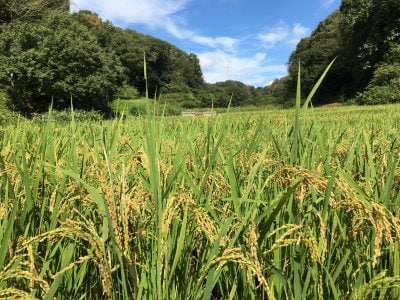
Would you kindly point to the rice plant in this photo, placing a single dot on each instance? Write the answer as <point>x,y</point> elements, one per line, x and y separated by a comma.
<point>236,206</point>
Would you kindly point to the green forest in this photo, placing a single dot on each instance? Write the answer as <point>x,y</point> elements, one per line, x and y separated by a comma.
<point>50,56</point>
<point>364,37</point>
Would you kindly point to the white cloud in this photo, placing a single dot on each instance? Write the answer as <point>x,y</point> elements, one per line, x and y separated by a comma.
<point>327,3</point>
<point>153,13</point>
<point>256,70</point>
<point>224,42</point>
<point>283,34</point>
<point>149,12</point>
<point>274,35</point>
<point>300,30</point>
<point>227,43</point>
<point>223,60</point>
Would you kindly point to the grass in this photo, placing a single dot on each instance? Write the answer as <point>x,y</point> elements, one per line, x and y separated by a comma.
<point>143,106</point>
<point>178,208</point>
<point>124,106</point>
<point>239,206</point>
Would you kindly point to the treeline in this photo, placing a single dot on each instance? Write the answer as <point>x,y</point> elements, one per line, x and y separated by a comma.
<point>48,55</point>
<point>364,36</point>
<point>12,10</point>
<point>58,56</point>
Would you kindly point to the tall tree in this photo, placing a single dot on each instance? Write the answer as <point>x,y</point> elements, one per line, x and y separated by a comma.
<point>55,60</point>
<point>168,68</point>
<point>12,10</point>
<point>384,86</point>
<point>369,28</point>
<point>315,53</point>
<point>360,34</point>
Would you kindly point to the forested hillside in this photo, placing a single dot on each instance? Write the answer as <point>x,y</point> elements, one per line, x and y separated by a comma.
<point>364,36</point>
<point>48,55</point>
<point>12,10</point>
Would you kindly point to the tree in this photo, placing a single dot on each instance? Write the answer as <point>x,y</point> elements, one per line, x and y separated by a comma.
<point>385,84</point>
<point>360,34</point>
<point>5,14</point>
<point>222,93</point>
<point>369,28</point>
<point>55,60</point>
<point>315,53</point>
<point>168,68</point>
<point>186,69</point>
<point>280,90</point>
<point>12,10</point>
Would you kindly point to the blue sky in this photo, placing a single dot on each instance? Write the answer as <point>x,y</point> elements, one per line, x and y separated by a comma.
<point>245,40</point>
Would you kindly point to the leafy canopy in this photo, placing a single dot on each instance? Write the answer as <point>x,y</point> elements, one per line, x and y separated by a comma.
<point>55,60</point>
<point>361,35</point>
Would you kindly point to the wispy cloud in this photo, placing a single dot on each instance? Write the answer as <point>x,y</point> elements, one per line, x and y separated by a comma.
<point>270,37</point>
<point>298,32</point>
<point>227,43</point>
<point>222,57</point>
<point>153,13</point>
<point>148,12</point>
<point>255,70</point>
<point>328,3</point>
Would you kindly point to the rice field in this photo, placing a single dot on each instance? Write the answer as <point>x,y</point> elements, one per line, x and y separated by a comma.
<point>255,205</point>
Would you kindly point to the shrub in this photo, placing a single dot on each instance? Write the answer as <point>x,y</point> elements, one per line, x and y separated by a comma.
<point>7,115</point>
<point>66,116</point>
<point>128,92</point>
<point>380,94</point>
<point>138,108</point>
<point>385,84</point>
